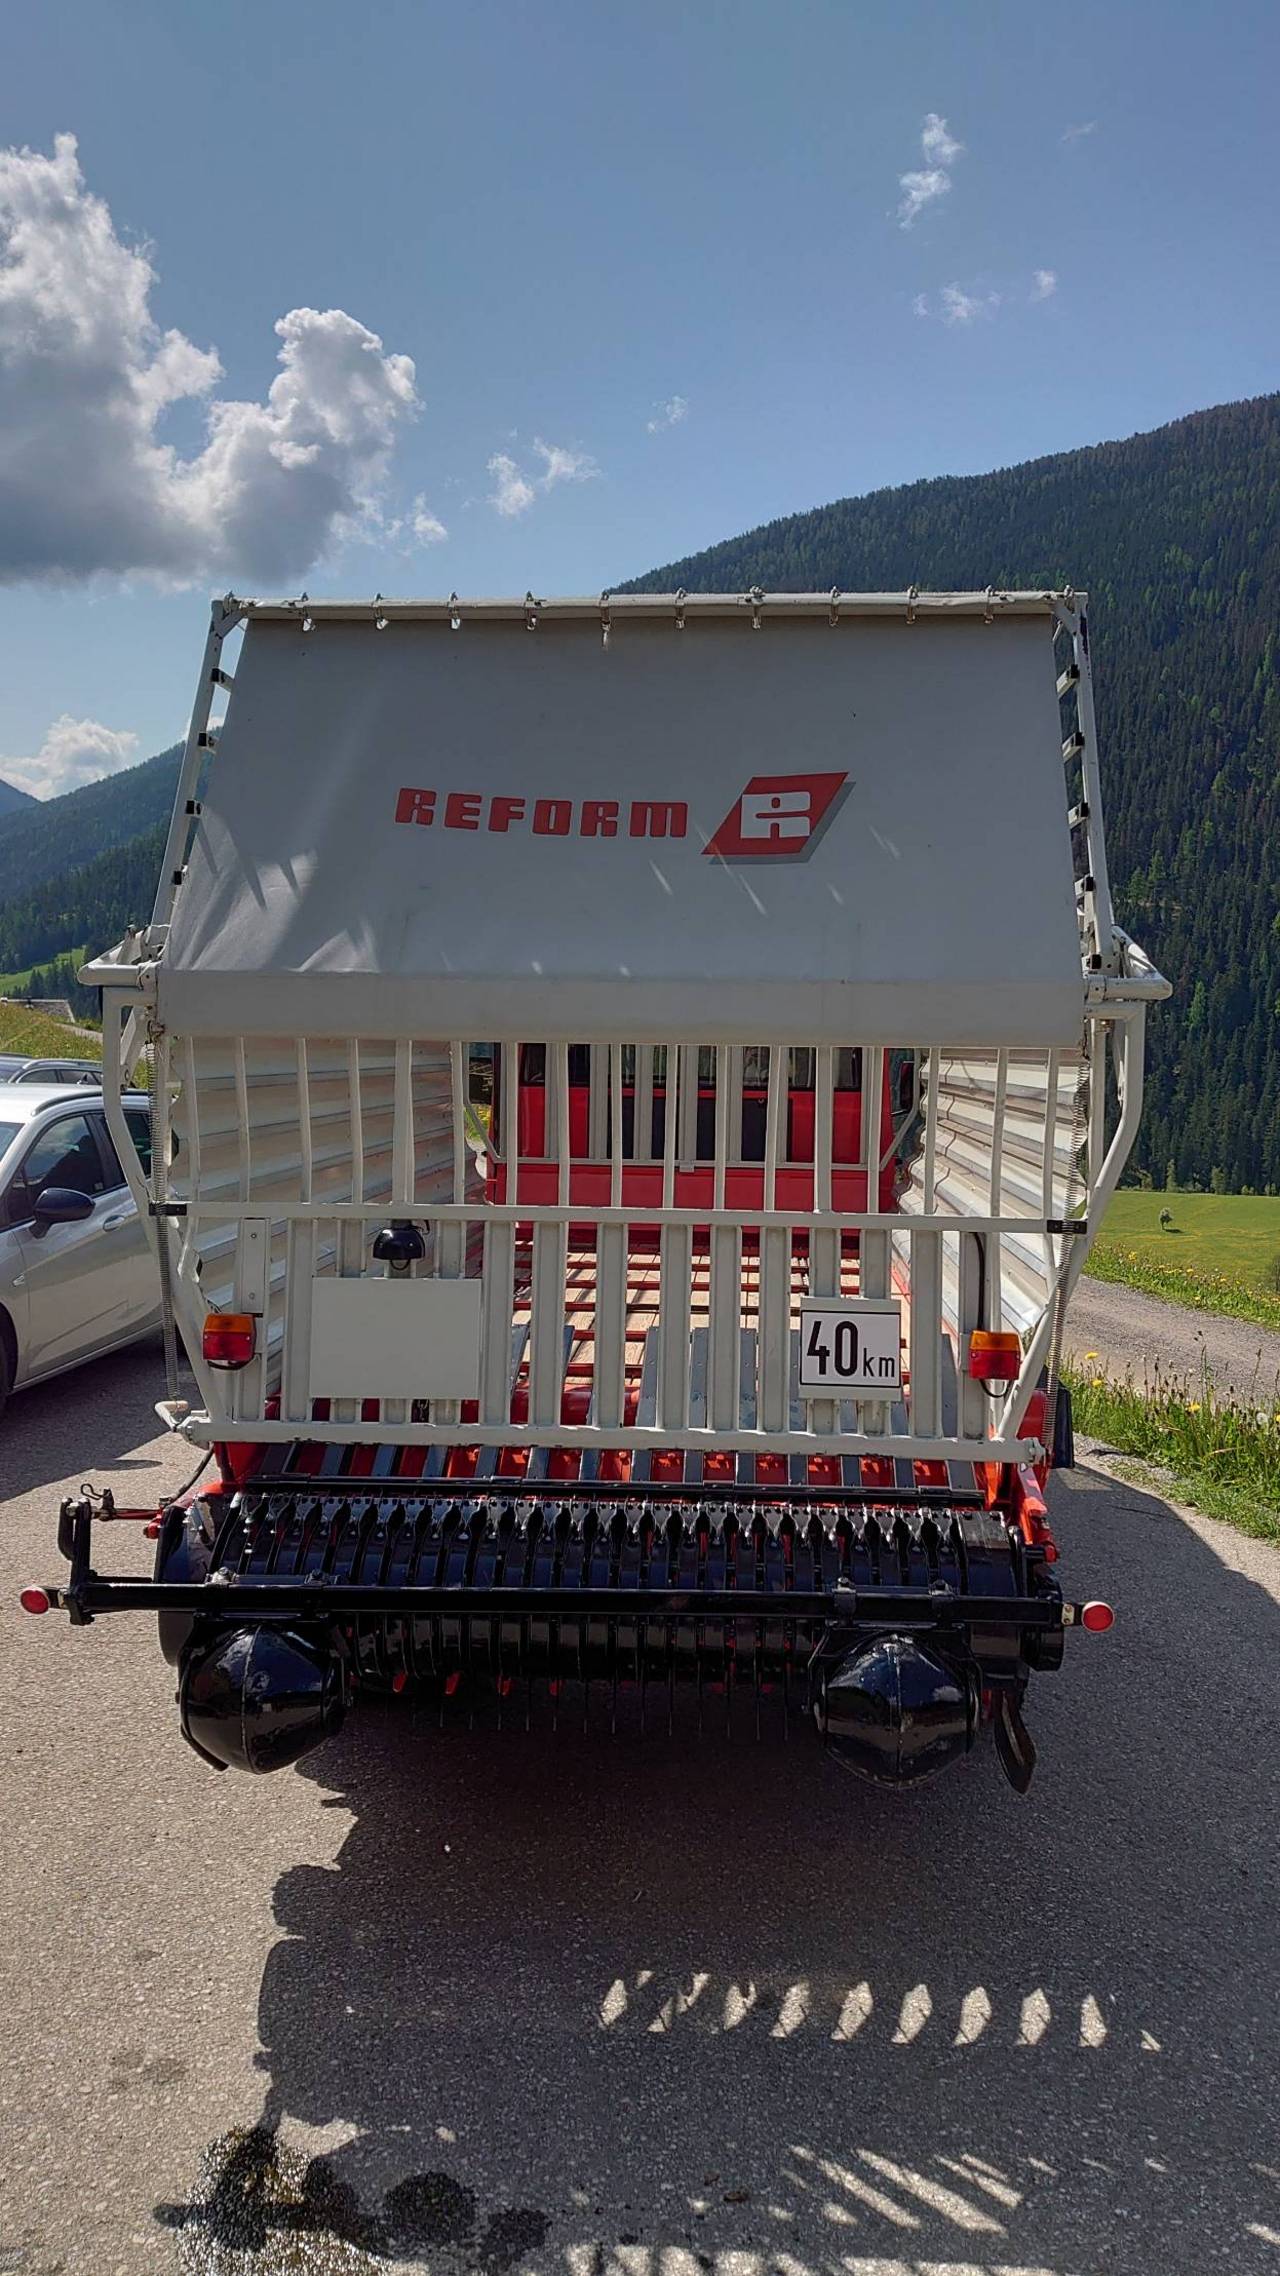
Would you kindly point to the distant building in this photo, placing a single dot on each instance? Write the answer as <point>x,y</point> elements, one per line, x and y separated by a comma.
<point>53,1007</point>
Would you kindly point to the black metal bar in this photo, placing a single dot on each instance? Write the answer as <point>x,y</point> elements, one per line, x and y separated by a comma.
<point>269,1599</point>
<point>568,1490</point>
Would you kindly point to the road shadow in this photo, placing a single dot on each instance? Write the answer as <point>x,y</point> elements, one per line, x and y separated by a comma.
<point>98,1415</point>
<point>656,2008</point>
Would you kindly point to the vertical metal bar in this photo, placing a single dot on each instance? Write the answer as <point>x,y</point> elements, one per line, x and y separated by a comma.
<point>773,1122</point>
<point>403,1150</point>
<point>597,1101</point>
<point>295,1381</point>
<point>610,1325</point>
<point>253,1294</point>
<point>929,1195</point>
<point>925,1333</point>
<point>688,1138</point>
<point>304,1118</point>
<point>671,1109</point>
<point>1047,1198</point>
<point>824,1242</point>
<point>873,1247</point>
<point>725,1327</point>
<point>193,1156</point>
<point>496,1306</point>
<point>356,1116</point>
<point>722,1123</point>
<point>973,1398</point>
<point>615,1126</point>
<point>546,1358</point>
<point>244,1140</point>
<point>558,1068</point>
<point>458,1088</point>
<point>823,1114</point>
<point>510,1055</point>
<point>995,1243</point>
<point>642,1113</point>
<point>773,1342</point>
<point>675,1278</point>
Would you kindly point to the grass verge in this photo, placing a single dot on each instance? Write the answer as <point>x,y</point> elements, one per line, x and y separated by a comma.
<point>1197,1287</point>
<point>1221,1456</point>
<point>37,1036</point>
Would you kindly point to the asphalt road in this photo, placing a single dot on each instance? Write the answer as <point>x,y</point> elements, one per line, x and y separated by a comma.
<point>633,2008</point>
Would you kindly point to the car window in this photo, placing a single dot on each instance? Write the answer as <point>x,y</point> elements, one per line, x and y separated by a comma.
<point>66,1153</point>
<point>139,1122</point>
<point>8,1132</point>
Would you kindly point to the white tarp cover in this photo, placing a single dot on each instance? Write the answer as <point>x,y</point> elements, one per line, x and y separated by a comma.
<point>420,831</point>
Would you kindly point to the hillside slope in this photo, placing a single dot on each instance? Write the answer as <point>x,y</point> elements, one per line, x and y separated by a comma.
<point>47,837</point>
<point>13,800</point>
<point>1176,537</point>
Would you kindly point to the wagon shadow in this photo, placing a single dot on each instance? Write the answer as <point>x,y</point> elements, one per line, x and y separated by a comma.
<point>586,2005</point>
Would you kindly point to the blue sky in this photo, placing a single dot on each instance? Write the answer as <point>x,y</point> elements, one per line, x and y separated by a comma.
<point>670,244</point>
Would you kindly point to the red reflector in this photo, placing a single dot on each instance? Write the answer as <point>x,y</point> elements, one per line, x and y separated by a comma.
<point>1098,1617</point>
<point>451,1683</point>
<point>398,1681</point>
<point>34,1600</point>
<point>229,1339</point>
<point>993,1357</point>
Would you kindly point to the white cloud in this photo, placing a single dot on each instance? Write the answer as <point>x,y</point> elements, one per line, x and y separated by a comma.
<point>511,494</point>
<point>672,413</point>
<point>925,184</point>
<point>563,465</point>
<point>919,190</point>
<point>920,305</point>
<point>939,147</point>
<point>960,307</point>
<point>73,751</point>
<point>1044,284</point>
<point>514,492</point>
<point>1078,133</point>
<point>426,526</point>
<point>86,482</point>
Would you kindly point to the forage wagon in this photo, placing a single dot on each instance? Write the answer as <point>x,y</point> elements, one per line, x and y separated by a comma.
<point>635,1082</point>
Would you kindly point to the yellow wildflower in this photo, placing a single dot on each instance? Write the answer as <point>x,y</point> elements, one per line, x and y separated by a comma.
<point>1098,1381</point>
<point>1193,1406</point>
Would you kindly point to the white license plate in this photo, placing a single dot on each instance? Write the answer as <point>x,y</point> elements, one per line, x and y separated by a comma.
<point>851,1345</point>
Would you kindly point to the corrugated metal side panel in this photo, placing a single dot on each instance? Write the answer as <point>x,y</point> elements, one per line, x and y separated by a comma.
<point>266,1119</point>
<point>1009,1131</point>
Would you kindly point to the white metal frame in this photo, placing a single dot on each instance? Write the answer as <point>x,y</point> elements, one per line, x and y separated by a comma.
<point>1118,982</point>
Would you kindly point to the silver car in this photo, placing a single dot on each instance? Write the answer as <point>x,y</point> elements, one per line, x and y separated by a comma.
<point>77,1273</point>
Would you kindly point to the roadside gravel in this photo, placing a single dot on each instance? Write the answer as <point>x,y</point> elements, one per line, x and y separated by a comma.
<point>1131,1332</point>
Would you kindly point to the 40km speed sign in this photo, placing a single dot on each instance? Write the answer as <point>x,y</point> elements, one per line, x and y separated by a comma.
<point>851,1345</point>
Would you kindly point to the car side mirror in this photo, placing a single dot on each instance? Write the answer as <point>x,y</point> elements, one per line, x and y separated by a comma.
<point>60,1205</point>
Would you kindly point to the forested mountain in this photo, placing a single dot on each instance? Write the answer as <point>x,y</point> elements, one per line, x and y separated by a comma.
<point>44,838</point>
<point>1176,537</point>
<point>12,800</point>
<point>87,906</point>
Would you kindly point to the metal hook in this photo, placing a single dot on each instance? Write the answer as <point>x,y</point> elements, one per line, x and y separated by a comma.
<point>455,621</point>
<point>834,617</point>
<point>604,618</point>
<point>680,601</point>
<point>755,596</point>
<point>379,621</point>
<point>913,595</point>
<point>988,614</point>
<point>531,607</point>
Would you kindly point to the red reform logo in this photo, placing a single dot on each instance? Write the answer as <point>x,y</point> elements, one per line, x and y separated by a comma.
<point>779,817</point>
